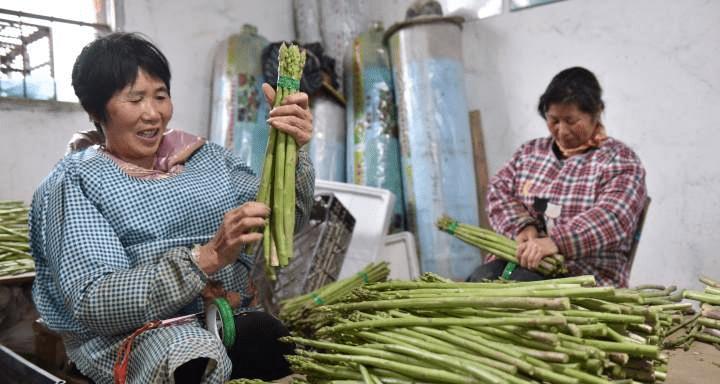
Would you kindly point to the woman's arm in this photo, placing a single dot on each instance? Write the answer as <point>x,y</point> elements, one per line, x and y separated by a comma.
<point>294,118</point>
<point>506,212</point>
<point>304,189</point>
<point>88,266</point>
<point>613,218</point>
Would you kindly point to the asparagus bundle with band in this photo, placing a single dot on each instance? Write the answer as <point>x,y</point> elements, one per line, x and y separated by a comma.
<point>497,244</point>
<point>296,312</point>
<point>15,257</point>
<point>277,183</point>
<point>432,330</point>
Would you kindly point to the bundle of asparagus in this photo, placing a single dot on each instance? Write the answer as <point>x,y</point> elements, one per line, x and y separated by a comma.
<point>14,248</point>
<point>297,313</point>
<point>497,244</point>
<point>557,331</point>
<point>277,184</point>
<point>705,325</point>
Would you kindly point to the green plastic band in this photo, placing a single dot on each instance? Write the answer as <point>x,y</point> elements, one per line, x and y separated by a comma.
<point>509,268</point>
<point>228,321</point>
<point>452,227</point>
<point>288,83</point>
<point>317,299</point>
<point>364,276</point>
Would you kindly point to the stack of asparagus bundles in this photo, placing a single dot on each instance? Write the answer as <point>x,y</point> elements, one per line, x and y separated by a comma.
<point>497,244</point>
<point>297,312</point>
<point>704,326</point>
<point>431,330</point>
<point>14,248</point>
<point>277,184</point>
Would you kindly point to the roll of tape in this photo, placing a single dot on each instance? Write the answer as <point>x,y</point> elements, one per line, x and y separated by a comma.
<point>220,321</point>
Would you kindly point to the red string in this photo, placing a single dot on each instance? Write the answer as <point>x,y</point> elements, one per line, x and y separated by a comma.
<point>123,357</point>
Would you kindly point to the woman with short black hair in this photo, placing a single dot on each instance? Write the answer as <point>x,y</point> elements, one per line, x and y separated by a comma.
<point>148,224</point>
<point>577,192</point>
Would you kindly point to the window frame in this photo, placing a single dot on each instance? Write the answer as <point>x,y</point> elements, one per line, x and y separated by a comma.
<point>108,14</point>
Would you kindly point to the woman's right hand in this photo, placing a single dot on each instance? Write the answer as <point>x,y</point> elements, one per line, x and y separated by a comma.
<point>527,233</point>
<point>235,231</point>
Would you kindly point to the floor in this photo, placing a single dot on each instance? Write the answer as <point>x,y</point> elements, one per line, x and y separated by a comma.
<point>698,365</point>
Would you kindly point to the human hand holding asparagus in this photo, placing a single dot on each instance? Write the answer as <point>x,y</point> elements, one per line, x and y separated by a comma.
<point>501,246</point>
<point>290,126</point>
<point>292,116</point>
<point>532,251</point>
<point>235,231</point>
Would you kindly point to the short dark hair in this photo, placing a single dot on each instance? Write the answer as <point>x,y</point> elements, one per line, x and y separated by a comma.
<point>109,64</point>
<point>575,85</point>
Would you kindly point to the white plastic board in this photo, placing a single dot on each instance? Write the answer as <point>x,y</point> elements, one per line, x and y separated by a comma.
<point>400,252</point>
<point>372,210</point>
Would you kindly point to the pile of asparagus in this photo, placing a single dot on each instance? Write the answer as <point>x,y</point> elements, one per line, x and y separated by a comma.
<point>557,331</point>
<point>297,312</point>
<point>705,325</point>
<point>497,244</point>
<point>277,183</point>
<point>15,255</point>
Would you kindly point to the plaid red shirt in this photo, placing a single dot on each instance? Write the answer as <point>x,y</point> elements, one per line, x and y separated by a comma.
<point>600,195</point>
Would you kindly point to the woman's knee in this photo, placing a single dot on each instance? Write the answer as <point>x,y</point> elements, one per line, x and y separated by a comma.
<point>258,353</point>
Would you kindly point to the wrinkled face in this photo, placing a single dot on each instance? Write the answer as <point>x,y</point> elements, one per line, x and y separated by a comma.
<point>569,126</point>
<point>137,117</point>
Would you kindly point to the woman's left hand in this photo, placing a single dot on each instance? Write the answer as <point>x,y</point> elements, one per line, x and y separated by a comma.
<point>532,251</point>
<point>292,117</point>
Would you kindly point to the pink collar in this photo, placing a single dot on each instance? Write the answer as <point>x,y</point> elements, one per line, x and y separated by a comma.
<point>175,148</point>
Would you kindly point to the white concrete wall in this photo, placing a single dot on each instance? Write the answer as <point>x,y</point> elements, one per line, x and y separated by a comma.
<point>33,135</point>
<point>188,31</point>
<point>658,63</point>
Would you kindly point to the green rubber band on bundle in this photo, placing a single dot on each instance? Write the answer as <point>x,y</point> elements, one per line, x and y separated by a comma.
<point>317,299</point>
<point>288,83</point>
<point>452,227</point>
<point>509,268</point>
<point>228,321</point>
<point>364,276</point>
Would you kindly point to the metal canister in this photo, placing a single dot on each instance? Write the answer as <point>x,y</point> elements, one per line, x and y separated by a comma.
<point>239,109</point>
<point>435,139</point>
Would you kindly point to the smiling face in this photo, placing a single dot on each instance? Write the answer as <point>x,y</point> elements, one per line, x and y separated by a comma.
<point>569,126</point>
<point>137,117</point>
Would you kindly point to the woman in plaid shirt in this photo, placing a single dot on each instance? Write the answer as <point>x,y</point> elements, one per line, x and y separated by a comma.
<point>578,192</point>
<point>148,223</point>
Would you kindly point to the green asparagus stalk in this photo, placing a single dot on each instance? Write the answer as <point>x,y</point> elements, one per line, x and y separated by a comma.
<point>15,257</point>
<point>277,182</point>
<point>496,244</point>
<point>423,373</point>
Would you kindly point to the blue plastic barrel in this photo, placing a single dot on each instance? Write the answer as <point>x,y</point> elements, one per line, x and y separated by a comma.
<point>435,139</point>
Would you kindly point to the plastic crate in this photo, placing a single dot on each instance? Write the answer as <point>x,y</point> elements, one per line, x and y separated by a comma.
<point>319,252</point>
<point>372,208</point>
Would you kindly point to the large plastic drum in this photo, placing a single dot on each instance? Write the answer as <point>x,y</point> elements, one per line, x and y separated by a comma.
<point>435,141</point>
<point>373,149</point>
<point>327,147</point>
<point>239,109</point>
